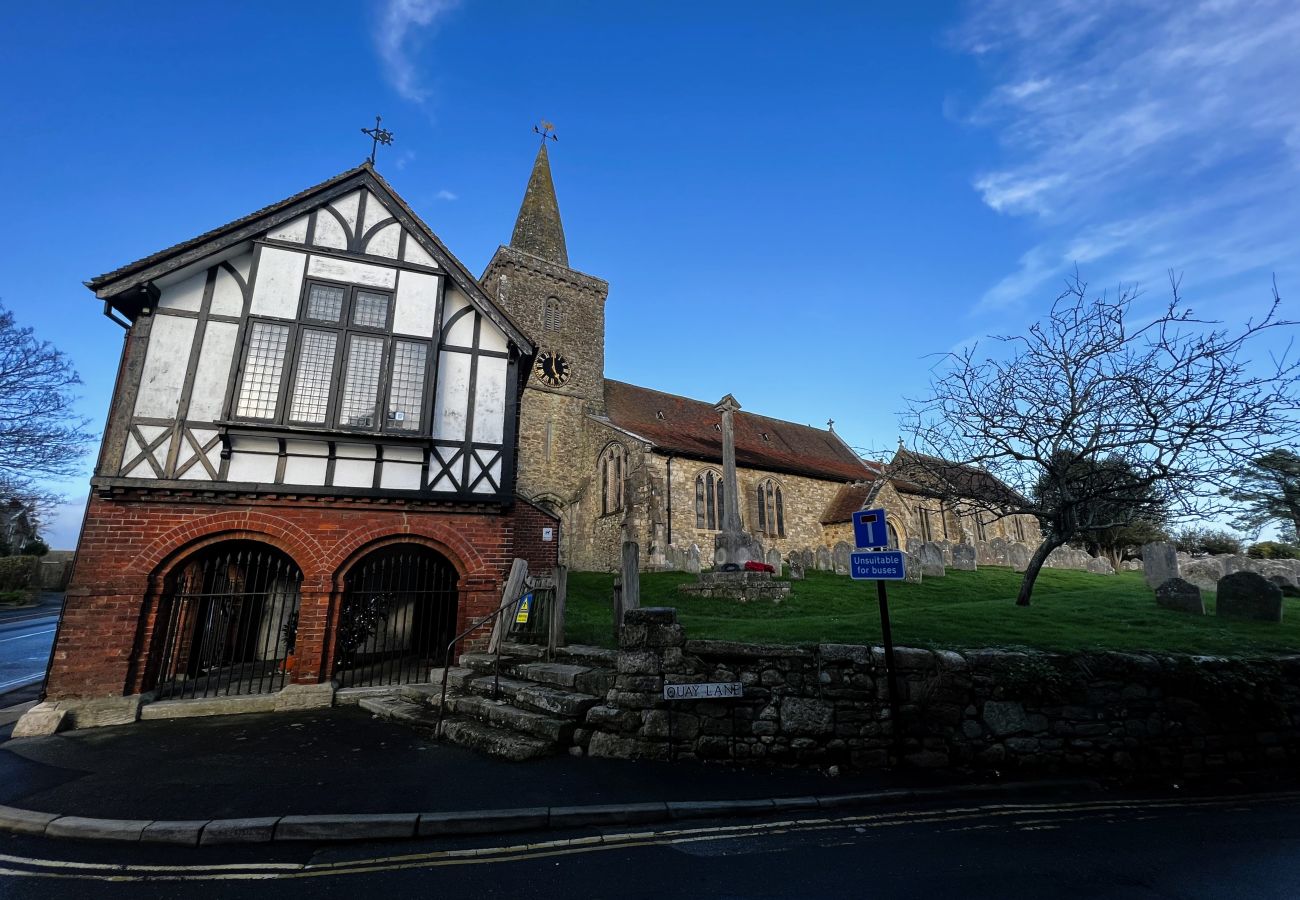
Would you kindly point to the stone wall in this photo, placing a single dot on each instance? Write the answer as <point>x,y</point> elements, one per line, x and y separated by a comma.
<point>827,704</point>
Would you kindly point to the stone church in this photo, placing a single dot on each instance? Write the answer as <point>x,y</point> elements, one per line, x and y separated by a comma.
<point>619,462</point>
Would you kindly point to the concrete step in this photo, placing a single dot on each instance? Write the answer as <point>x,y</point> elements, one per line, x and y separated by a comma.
<point>504,715</point>
<point>498,742</point>
<point>398,709</point>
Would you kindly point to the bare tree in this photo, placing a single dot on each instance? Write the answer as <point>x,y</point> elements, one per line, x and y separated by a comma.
<point>1173,406</point>
<point>41,437</point>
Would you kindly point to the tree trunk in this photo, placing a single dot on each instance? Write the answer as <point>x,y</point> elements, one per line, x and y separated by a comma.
<point>1035,565</point>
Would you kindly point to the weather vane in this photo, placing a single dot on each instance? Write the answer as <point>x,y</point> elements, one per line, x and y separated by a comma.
<point>546,130</point>
<point>378,136</point>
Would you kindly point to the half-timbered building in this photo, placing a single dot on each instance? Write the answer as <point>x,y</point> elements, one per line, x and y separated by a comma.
<point>308,471</point>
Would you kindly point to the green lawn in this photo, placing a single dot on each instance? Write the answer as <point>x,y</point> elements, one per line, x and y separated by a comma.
<point>1071,611</point>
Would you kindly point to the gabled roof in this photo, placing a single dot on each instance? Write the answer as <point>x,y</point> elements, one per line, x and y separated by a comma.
<point>686,427</point>
<point>850,499</point>
<point>920,473</point>
<point>156,265</point>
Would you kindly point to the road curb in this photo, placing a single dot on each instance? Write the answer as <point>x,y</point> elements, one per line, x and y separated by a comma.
<point>404,826</point>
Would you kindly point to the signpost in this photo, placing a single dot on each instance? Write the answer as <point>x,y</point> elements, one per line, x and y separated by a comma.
<point>871,531</point>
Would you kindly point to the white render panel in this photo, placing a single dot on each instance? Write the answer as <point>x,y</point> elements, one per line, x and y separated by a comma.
<point>208,396</point>
<point>255,467</point>
<point>417,304</point>
<point>403,454</point>
<point>347,208</point>
<point>400,476</point>
<point>492,338</point>
<point>442,482</point>
<point>415,253</point>
<point>490,400</point>
<point>253,444</point>
<point>485,486</point>
<point>452,399</point>
<point>307,448</point>
<point>186,295</point>
<point>329,233</point>
<point>279,283</point>
<point>462,332</point>
<point>354,473</point>
<point>130,447</point>
<point>354,272</point>
<point>164,367</point>
<point>227,296</point>
<point>305,470</point>
<point>384,242</point>
<point>295,231</point>
<point>376,212</point>
<point>355,451</point>
<point>195,472</point>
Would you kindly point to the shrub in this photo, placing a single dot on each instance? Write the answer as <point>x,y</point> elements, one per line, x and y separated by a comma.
<point>1273,550</point>
<point>1200,541</point>
<point>36,547</point>
<point>19,573</point>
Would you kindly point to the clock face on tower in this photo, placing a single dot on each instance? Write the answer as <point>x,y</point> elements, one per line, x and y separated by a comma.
<point>552,369</point>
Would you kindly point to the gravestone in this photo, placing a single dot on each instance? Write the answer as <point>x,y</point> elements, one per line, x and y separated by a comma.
<point>796,571</point>
<point>719,557</point>
<point>808,560</point>
<point>929,558</point>
<point>1018,557</point>
<point>1249,595</point>
<point>631,575</point>
<point>823,559</point>
<point>1098,565</point>
<point>911,569</point>
<point>945,547</point>
<point>1204,573</point>
<point>1233,562</point>
<point>842,551</point>
<point>774,559</point>
<point>984,555</point>
<point>1132,565</point>
<point>964,557</point>
<point>999,549</point>
<point>1159,563</point>
<point>693,559</point>
<point>1180,596</point>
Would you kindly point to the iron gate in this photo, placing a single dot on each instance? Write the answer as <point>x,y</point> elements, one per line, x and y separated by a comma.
<point>229,623</point>
<point>397,615</point>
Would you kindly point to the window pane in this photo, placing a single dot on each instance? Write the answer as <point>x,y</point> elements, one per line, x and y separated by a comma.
<point>311,380</point>
<point>370,310</point>
<point>324,302</point>
<point>361,381</point>
<point>406,397</point>
<point>263,369</point>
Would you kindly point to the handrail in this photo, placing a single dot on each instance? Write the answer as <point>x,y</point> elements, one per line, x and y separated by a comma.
<point>442,702</point>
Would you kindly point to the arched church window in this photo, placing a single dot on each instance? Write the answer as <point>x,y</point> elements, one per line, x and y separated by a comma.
<point>551,314</point>
<point>708,500</point>
<point>771,511</point>
<point>612,471</point>
<point>893,536</point>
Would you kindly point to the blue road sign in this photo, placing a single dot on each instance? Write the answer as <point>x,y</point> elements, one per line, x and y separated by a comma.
<point>870,528</point>
<point>883,566</point>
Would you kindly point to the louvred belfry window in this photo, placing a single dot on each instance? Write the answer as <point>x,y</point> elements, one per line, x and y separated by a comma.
<point>339,367</point>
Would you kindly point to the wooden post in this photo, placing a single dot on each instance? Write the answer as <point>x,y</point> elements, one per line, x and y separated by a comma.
<point>556,638</point>
<point>513,591</point>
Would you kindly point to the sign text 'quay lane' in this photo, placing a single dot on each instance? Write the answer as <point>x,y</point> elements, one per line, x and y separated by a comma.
<point>718,691</point>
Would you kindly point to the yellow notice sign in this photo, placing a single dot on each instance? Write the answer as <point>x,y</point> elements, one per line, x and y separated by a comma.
<point>525,606</point>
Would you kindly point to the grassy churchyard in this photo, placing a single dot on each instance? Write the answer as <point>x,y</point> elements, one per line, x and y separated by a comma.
<point>1071,611</point>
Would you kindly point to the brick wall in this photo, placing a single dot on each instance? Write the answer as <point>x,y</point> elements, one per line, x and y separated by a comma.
<point>131,542</point>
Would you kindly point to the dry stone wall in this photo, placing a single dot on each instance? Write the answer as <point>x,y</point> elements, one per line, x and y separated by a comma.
<point>827,704</point>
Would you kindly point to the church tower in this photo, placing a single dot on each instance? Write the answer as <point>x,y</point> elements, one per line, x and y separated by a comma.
<point>563,310</point>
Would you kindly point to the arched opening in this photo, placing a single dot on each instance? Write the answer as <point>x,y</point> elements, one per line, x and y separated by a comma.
<point>227,623</point>
<point>397,616</point>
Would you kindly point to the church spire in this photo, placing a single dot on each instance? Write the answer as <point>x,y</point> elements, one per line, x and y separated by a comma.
<point>538,230</point>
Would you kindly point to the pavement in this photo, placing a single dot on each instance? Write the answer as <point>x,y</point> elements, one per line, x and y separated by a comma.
<point>343,774</point>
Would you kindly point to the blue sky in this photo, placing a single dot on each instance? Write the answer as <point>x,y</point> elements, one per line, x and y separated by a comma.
<point>798,204</point>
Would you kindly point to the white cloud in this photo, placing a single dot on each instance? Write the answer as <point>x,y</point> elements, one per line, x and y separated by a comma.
<point>1141,135</point>
<point>403,27</point>
<point>445,194</point>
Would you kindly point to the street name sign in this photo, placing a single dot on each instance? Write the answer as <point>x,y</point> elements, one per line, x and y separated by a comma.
<point>718,691</point>
<point>870,528</point>
<point>886,565</point>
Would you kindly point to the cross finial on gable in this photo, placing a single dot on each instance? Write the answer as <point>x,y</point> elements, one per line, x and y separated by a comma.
<point>830,424</point>
<point>377,136</point>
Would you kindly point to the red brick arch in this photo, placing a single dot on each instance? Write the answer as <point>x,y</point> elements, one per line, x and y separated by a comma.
<point>446,540</point>
<point>162,555</point>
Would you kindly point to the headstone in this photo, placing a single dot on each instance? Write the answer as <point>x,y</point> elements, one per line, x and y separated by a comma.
<point>842,551</point>
<point>911,569</point>
<point>945,547</point>
<point>964,557</point>
<point>807,559</point>
<point>1018,556</point>
<point>774,559</point>
<point>1204,573</point>
<point>796,571</point>
<point>929,557</point>
<point>1282,581</point>
<point>719,557</point>
<point>1099,565</point>
<point>693,559</point>
<point>1132,565</point>
<point>823,559</point>
<point>1180,596</point>
<point>631,576</point>
<point>1249,595</point>
<point>999,549</point>
<point>984,555</point>
<point>1236,563</point>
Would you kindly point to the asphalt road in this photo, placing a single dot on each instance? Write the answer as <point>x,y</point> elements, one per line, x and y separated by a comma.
<point>26,637</point>
<point>1091,846</point>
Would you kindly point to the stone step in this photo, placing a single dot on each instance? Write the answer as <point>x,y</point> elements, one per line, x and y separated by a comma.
<point>537,697</point>
<point>398,709</point>
<point>484,662</point>
<point>523,651</point>
<point>504,715</point>
<point>587,655</point>
<point>586,679</point>
<point>498,742</point>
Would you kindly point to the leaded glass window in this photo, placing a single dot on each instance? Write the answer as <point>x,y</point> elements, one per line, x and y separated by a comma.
<point>259,394</point>
<point>406,393</point>
<point>361,381</point>
<point>313,376</point>
<point>370,310</point>
<point>325,302</point>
